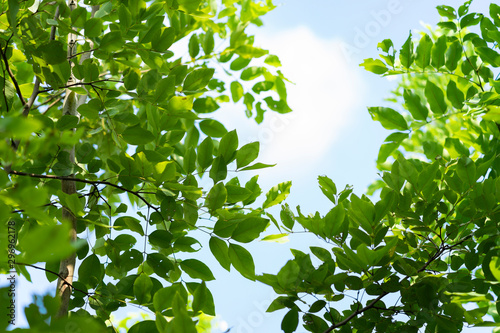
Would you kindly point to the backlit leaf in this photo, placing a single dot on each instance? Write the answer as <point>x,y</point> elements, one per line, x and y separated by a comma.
<point>242,261</point>
<point>196,269</point>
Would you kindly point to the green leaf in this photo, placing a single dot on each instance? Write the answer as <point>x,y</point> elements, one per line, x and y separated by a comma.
<point>466,170</point>
<point>72,202</point>
<point>257,166</point>
<point>406,53</point>
<point>247,154</point>
<point>136,135</point>
<point>249,229</point>
<point>328,187</point>
<point>212,128</point>
<point>129,222</point>
<point>45,243</point>
<point>218,171</point>
<point>437,52</point>
<point>194,46</point>
<point>391,143</point>
<point>288,275</point>
<point>447,11</point>
<point>424,48</point>
<point>53,52</point>
<point>91,271</point>
<point>85,153</point>
<point>125,242</point>
<point>262,86</point>
<point>203,300</point>
<point>131,80</point>
<point>242,261</point>
<point>164,39</point>
<point>142,289</point>
<point>160,264</point>
<point>287,217</point>
<point>495,13</point>
<point>249,52</point>
<point>111,42</point>
<point>205,153</point>
<point>388,118</point>
<point>124,15</point>
<point>375,66</point>
<point>290,321</point>
<point>9,95</point>
<point>407,169</point>
<point>251,73</point>
<point>182,323</point>
<point>180,104</point>
<point>273,60</point>
<point>470,20</point>
<point>142,326</point>
<point>471,260</point>
<point>254,187</point>
<point>277,194</point>
<point>334,221</point>
<point>228,145</point>
<point>216,197</point>
<point>435,98</point>
<point>239,63</point>
<point>208,42</point>
<point>493,114</point>
<point>164,89</point>
<point>67,122</point>
<point>236,91</point>
<point>453,55</point>
<point>495,267</point>
<point>219,249</point>
<point>189,6</point>
<point>161,238</point>
<point>455,95</point>
<point>363,212</point>
<point>205,105</point>
<point>414,105</point>
<point>13,9</point>
<point>237,193</point>
<point>196,269</point>
<point>93,27</point>
<point>489,56</point>
<point>160,321</point>
<point>197,79</point>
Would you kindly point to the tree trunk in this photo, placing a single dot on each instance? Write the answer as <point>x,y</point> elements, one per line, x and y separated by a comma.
<point>67,265</point>
<point>70,106</point>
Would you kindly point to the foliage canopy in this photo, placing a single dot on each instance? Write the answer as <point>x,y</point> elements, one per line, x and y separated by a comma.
<point>106,133</point>
<point>98,108</point>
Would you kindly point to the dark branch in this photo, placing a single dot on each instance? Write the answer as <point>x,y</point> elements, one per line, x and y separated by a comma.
<point>438,254</point>
<point>81,84</point>
<point>11,75</point>
<point>59,276</point>
<point>90,182</point>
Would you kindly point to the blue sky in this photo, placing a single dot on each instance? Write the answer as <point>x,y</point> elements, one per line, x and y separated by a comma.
<point>320,43</point>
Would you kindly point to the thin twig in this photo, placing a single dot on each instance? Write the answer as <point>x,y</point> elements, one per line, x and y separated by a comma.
<point>86,181</point>
<point>81,84</point>
<point>11,75</point>
<point>59,276</point>
<point>385,293</point>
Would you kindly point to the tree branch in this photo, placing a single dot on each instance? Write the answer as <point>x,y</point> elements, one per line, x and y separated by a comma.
<point>11,75</point>
<point>438,254</point>
<point>81,84</point>
<point>86,181</point>
<point>59,276</point>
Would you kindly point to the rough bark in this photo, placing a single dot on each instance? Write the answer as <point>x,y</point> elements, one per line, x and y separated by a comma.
<point>67,265</point>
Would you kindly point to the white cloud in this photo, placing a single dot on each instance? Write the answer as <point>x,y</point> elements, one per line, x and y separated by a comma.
<point>326,91</point>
